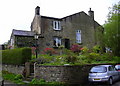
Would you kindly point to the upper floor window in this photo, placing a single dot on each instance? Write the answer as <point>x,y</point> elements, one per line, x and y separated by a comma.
<point>57,41</point>
<point>78,36</point>
<point>56,25</point>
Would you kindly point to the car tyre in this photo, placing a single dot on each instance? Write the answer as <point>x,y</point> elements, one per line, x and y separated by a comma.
<point>110,81</point>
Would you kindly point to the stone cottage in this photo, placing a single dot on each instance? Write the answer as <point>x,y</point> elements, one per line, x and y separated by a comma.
<point>21,38</point>
<point>76,28</point>
<point>80,28</point>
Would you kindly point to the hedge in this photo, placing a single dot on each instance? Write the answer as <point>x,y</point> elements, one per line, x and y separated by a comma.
<point>16,56</point>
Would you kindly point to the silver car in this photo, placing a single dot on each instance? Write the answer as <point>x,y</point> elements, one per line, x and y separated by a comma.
<point>103,73</point>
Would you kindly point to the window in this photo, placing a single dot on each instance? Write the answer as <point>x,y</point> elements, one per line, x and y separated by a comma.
<point>56,25</point>
<point>98,69</point>
<point>111,68</point>
<point>12,42</point>
<point>78,36</point>
<point>57,41</point>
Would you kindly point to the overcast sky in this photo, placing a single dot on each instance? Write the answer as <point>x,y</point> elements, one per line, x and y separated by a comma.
<point>18,14</point>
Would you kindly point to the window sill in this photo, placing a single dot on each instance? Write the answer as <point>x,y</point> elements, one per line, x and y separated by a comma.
<point>55,47</point>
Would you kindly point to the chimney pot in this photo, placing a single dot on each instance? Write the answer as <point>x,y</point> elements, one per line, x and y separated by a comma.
<point>37,10</point>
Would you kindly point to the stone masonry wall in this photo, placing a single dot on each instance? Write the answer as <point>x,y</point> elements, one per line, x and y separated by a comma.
<point>67,74</point>
<point>16,69</point>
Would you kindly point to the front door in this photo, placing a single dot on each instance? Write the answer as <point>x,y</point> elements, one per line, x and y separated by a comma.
<point>67,43</point>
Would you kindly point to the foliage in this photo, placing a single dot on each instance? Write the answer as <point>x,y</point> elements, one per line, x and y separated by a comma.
<point>36,81</point>
<point>86,56</point>
<point>12,77</point>
<point>19,76</point>
<point>16,56</point>
<point>44,83</point>
<point>96,49</point>
<point>84,50</point>
<point>116,59</point>
<point>112,31</point>
<point>49,51</point>
<point>70,56</point>
<point>76,48</point>
<point>44,58</point>
<point>61,46</point>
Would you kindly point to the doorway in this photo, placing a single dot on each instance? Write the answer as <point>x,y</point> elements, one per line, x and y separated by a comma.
<point>67,43</point>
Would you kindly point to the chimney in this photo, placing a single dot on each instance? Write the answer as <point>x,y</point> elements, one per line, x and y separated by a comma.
<point>37,10</point>
<point>36,23</point>
<point>91,13</point>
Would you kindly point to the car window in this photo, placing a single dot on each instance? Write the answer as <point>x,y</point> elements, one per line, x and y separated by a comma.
<point>111,68</point>
<point>98,69</point>
<point>117,66</point>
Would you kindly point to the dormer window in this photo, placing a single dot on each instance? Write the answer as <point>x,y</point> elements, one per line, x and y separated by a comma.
<point>56,25</point>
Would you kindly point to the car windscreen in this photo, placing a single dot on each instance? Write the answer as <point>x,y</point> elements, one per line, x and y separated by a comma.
<point>117,66</point>
<point>98,69</point>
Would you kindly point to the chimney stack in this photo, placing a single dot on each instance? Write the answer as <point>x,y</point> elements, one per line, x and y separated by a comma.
<point>91,13</point>
<point>37,10</point>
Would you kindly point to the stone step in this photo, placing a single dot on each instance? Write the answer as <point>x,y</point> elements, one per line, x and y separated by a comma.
<point>26,81</point>
<point>31,74</point>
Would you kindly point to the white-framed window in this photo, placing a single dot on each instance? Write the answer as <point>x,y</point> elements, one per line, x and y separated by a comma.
<point>56,25</point>
<point>78,36</point>
<point>12,42</point>
<point>57,41</point>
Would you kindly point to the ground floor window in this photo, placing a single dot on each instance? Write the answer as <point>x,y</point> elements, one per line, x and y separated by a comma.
<point>57,41</point>
<point>78,36</point>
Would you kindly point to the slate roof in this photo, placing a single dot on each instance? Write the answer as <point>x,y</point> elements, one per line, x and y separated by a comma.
<point>22,33</point>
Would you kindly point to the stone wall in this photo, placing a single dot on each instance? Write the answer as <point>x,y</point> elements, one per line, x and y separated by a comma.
<point>69,26</point>
<point>16,69</point>
<point>67,74</point>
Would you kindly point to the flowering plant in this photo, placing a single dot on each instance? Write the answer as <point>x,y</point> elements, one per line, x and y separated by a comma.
<point>76,48</point>
<point>49,51</point>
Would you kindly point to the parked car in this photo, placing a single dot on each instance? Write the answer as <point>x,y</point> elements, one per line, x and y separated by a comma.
<point>117,66</point>
<point>103,73</point>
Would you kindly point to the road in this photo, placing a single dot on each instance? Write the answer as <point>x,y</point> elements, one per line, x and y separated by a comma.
<point>8,83</point>
<point>103,84</point>
<point>117,84</point>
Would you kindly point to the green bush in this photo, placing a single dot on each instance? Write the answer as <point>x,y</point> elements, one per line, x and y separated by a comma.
<point>116,59</point>
<point>16,56</point>
<point>42,82</point>
<point>12,77</point>
<point>96,49</point>
<point>19,76</point>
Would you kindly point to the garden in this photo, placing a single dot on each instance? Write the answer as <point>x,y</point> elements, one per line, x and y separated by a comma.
<point>19,79</point>
<point>76,55</point>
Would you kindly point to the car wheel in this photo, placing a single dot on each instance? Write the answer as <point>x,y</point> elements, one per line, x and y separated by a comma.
<point>110,81</point>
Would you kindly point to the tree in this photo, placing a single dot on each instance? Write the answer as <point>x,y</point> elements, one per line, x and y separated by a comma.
<point>112,30</point>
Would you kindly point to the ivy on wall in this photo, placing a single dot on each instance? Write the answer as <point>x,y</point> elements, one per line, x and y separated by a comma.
<point>22,41</point>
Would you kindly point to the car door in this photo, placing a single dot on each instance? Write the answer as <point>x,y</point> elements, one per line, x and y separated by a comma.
<point>113,73</point>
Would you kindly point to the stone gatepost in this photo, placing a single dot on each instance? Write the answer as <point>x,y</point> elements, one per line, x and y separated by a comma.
<point>27,68</point>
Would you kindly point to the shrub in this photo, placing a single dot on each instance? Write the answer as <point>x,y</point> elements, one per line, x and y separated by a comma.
<point>70,56</point>
<point>16,56</point>
<point>116,59</point>
<point>12,77</point>
<point>76,48</point>
<point>94,56</point>
<point>84,49</point>
<point>42,82</point>
<point>49,51</point>
<point>19,76</point>
<point>96,49</point>
<point>36,81</point>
